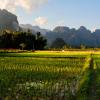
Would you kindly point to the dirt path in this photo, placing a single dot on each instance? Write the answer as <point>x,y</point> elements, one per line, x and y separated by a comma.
<point>92,85</point>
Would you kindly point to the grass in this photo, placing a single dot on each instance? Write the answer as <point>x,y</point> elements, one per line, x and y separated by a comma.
<point>47,75</point>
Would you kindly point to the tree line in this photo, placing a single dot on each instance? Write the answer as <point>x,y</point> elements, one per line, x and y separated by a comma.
<point>22,40</point>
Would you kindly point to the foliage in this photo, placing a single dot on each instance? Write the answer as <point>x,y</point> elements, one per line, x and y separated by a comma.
<point>58,43</point>
<point>82,46</point>
<point>30,41</point>
<point>40,41</point>
<point>49,75</point>
<point>39,75</point>
<point>22,45</point>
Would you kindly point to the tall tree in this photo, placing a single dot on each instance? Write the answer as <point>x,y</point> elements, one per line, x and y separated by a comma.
<point>6,40</point>
<point>23,40</point>
<point>58,43</point>
<point>40,41</point>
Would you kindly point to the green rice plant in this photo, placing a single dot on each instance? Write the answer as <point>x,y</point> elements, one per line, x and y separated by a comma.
<point>41,75</point>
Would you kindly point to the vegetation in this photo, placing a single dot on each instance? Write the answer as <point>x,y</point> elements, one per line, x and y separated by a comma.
<point>22,40</point>
<point>58,43</point>
<point>49,76</point>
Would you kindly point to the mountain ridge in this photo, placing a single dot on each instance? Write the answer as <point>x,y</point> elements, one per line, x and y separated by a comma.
<point>71,36</point>
<point>75,37</point>
<point>8,21</point>
<point>25,27</point>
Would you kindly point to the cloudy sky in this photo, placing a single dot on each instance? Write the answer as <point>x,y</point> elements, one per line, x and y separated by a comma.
<point>51,13</point>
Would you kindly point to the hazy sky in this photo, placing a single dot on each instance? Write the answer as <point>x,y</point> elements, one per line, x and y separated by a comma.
<point>51,13</point>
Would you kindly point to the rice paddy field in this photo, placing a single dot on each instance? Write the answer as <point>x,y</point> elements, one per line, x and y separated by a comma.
<point>50,75</point>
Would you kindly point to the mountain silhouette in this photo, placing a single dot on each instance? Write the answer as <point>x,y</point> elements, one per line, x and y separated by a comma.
<point>73,37</point>
<point>8,21</point>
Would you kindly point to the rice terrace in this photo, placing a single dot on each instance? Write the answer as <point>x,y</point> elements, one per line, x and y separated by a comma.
<point>49,49</point>
<point>50,75</point>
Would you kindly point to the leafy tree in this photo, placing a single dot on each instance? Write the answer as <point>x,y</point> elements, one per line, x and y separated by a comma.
<point>6,40</point>
<point>65,47</point>
<point>25,40</point>
<point>58,43</point>
<point>40,41</point>
<point>25,37</point>
<point>22,45</point>
<point>82,46</point>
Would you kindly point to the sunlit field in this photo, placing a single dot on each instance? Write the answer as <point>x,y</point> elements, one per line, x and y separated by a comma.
<point>50,75</point>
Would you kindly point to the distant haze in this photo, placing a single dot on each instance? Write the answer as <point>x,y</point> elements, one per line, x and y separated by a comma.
<point>71,36</point>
